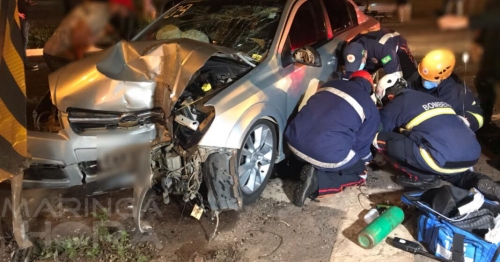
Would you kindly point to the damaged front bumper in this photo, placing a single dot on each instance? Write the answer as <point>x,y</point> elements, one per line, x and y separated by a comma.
<point>67,158</point>
<point>104,109</point>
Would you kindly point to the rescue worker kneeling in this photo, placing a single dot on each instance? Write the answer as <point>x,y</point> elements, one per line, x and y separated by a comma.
<point>423,137</point>
<point>333,133</point>
<point>436,78</point>
<point>378,49</point>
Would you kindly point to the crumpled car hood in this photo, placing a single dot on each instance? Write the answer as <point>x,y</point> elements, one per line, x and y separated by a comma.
<point>131,76</point>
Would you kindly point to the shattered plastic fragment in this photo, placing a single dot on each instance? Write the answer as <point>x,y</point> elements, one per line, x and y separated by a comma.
<point>197,212</point>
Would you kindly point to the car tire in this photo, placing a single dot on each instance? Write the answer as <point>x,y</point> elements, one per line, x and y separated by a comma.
<point>255,159</point>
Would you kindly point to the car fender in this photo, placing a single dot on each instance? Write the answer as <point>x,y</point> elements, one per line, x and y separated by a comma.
<point>254,113</point>
<point>262,110</point>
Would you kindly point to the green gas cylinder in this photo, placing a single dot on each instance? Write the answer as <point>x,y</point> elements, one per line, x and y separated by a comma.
<point>380,228</point>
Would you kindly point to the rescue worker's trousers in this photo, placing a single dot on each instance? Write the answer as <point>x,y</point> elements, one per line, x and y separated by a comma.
<point>334,181</point>
<point>405,156</point>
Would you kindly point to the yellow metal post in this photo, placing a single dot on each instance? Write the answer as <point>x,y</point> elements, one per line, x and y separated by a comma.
<point>13,135</point>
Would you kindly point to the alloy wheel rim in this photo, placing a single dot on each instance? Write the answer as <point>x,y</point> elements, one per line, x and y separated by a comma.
<point>255,158</point>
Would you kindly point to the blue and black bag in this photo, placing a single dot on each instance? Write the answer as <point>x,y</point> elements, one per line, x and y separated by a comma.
<point>457,239</point>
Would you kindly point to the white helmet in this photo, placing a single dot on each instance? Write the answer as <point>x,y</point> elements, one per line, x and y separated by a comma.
<point>388,81</point>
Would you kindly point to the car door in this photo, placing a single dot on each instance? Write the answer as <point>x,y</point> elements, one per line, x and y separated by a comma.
<point>306,26</point>
<point>309,24</point>
<point>342,20</point>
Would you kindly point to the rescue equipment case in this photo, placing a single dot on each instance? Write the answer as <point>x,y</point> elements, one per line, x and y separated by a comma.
<point>448,241</point>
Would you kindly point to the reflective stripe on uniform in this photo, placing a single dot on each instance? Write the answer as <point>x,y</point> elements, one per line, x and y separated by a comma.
<point>349,99</point>
<point>425,155</point>
<point>386,37</point>
<point>479,118</point>
<point>434,166</point>
<point>367,156</point>
<point>317,163</point>
<point>428,115</point>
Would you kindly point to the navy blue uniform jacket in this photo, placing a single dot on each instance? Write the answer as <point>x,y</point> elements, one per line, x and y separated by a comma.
<point>328,127</point>
<point>460,97</point>
<point>382,52</point>
<point>444,136</point>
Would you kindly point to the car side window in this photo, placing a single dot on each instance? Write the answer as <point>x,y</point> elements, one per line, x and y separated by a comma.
<point>339,15</point>
<point>308,26</point>
<point>352,13</point>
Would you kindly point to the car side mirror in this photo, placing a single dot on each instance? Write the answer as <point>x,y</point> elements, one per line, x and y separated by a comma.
<point>307,55</point>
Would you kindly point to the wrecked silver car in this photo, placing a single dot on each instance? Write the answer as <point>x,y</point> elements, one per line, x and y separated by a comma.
<point>209,87</point>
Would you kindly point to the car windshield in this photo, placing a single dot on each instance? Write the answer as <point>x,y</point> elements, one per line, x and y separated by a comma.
<point>243,25</point>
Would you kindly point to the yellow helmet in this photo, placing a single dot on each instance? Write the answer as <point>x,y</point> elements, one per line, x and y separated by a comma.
<point>437,65</point>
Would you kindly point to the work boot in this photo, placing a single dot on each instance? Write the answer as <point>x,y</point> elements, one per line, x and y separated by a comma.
<point>489,188</point>
<point>308,187</point>
<point>419,183</point>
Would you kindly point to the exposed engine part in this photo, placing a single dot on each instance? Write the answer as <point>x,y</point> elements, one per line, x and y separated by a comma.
<point>177,165</point>
<point>179,173</point>
<point>188,115</point>
<point>189,123</point>
<point>176,160</point>
<point>192,117</point>
<point>173,163</point>
<point>216,74</point>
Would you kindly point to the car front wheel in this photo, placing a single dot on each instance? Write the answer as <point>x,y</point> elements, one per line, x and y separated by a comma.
<point>256,159</point>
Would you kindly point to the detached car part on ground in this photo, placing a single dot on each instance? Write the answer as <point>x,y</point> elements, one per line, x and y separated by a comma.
<point>208,88</point>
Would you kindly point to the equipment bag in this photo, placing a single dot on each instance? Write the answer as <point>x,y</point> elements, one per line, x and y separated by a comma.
<point>448,241</point>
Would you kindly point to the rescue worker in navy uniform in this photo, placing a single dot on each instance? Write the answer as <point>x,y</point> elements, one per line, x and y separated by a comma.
<point>333,134</point>
<point>488,76</point>
<point>383,48</point>
<point>423,137</point>
<point>436,78</point>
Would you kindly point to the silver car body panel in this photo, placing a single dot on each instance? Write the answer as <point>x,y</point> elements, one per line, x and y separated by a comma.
<point>124,77</point>
<point>269,91</point>
<point>80,85</point>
